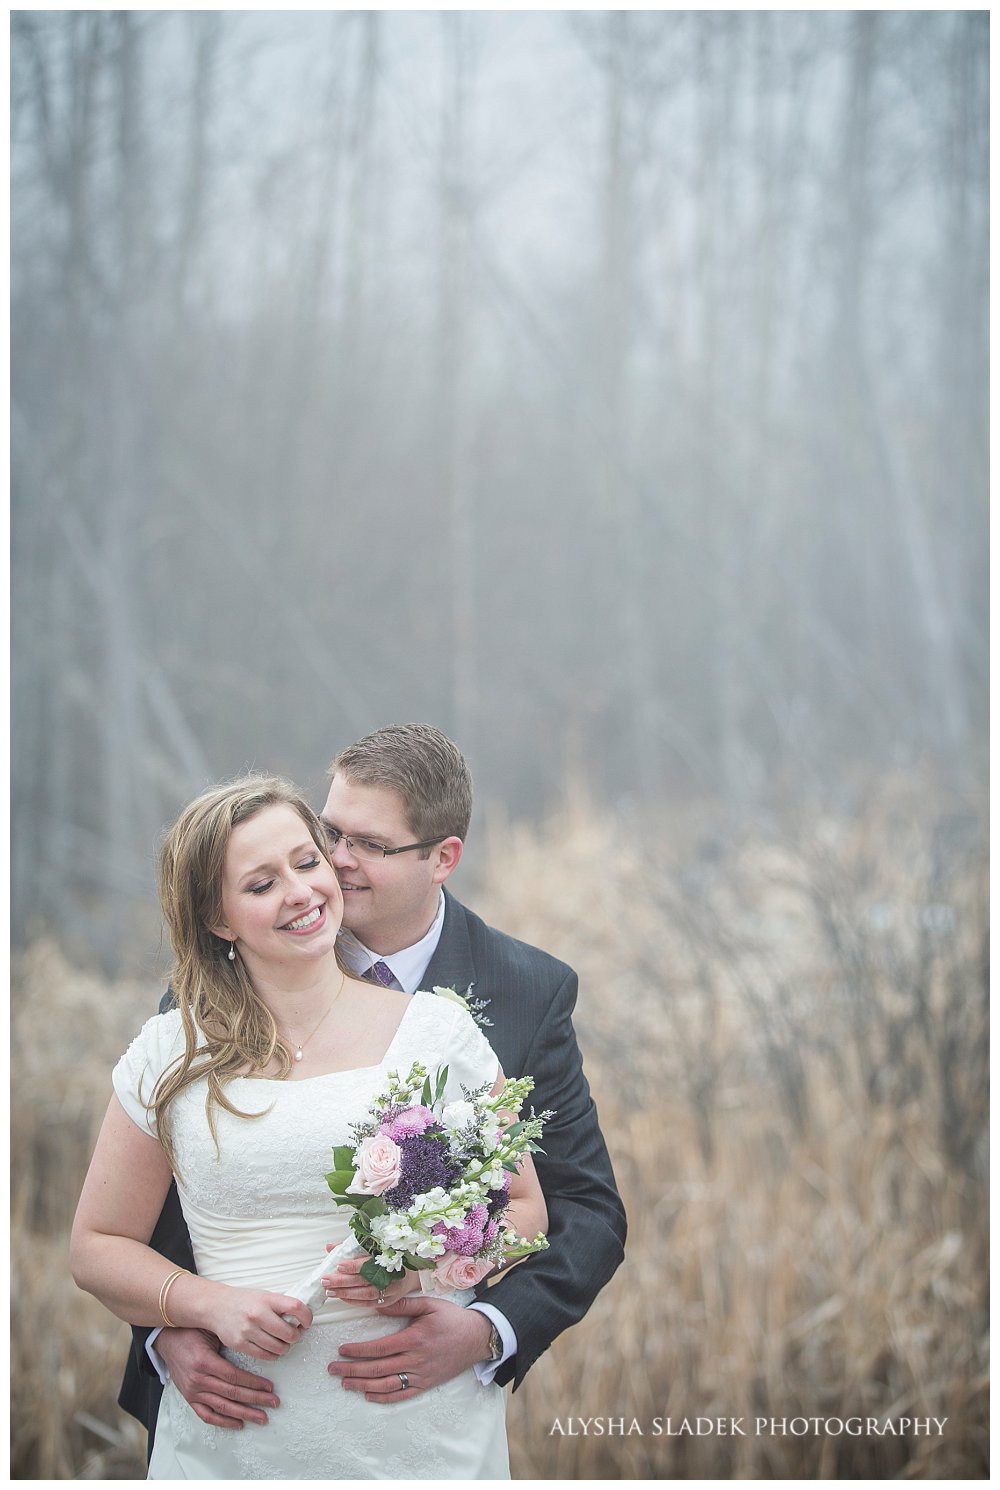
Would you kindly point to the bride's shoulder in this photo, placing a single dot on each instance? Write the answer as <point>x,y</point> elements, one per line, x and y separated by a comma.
<point>158,1040</point>
<point>448,1015</point>
<point>157,1045</point>
<point>440,1006</point>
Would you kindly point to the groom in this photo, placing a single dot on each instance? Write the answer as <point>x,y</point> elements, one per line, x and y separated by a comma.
<point>396,815</point>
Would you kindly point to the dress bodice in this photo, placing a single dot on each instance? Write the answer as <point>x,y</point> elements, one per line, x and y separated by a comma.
<point>255,1200</point>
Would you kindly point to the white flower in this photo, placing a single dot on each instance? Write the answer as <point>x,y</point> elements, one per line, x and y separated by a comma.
<point>452,995</point>
<point>475,1007</point>
<point>430,1202</point>
<point>458,1115</point>
<point>432,1247</point>
<point>393,1231</point>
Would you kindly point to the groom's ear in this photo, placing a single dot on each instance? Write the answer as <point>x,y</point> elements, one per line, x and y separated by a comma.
<point>448,854</point>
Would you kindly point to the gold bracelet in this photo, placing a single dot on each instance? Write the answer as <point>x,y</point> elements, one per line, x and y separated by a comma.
<point>165,1288</point>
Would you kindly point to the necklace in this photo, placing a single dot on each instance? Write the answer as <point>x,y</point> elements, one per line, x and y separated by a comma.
<point>301,1044</point>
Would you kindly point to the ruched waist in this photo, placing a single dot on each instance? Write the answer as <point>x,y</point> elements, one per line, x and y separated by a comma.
<point>282,1254</point>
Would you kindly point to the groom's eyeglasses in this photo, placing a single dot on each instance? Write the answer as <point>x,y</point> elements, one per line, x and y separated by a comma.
<point>367,848</point>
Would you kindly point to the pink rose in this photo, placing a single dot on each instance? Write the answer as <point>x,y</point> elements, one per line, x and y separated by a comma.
<point>377,1167</point>
<point>453,1271</point>
<point>408,1122</point>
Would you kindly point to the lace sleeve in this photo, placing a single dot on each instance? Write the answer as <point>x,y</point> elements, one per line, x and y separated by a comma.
<point>139,1069</point>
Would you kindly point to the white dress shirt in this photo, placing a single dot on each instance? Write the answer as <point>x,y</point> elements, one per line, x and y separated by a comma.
<point>408,967</point>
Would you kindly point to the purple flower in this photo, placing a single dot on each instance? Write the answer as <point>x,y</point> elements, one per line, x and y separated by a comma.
<point>466,1239</point>
<point>411,1121</point>
<point>423,1164</point>
<point>497,1199</point>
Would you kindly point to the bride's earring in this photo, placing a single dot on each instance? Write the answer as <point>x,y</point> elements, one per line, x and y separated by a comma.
<point>232,951</point>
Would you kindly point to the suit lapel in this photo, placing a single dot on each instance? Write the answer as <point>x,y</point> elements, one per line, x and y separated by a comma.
<point>452,965</point>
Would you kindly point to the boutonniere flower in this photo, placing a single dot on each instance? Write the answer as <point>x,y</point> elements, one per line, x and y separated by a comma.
<point>475,1006</point>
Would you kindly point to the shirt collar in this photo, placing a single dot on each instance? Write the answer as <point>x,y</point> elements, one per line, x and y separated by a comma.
<point>408,965</point>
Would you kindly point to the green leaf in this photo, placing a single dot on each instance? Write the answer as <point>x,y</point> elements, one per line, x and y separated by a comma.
<point>425,1092</point>
<point>343,1156</point>
<point>378,1277</point>
<point>374,1205</point>
<point>339,1179</point>
<point>417,1264</point>
<point>442,1082</point>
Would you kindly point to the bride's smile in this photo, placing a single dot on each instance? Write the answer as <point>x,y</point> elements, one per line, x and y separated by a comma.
<point>311,921</point>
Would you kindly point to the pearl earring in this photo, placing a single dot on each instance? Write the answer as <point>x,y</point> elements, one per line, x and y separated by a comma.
<point>232,951</point>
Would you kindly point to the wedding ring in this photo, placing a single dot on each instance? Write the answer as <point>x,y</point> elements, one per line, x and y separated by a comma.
<point>381,1296</point>
<point>404,1379</point>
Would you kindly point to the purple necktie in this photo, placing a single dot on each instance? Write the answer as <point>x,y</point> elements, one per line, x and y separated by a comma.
<point>382,973</point>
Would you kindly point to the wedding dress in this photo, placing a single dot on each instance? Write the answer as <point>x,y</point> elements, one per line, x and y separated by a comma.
<point>260,1215</point>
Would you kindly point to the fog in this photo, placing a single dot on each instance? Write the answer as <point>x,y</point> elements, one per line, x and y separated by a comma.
<point>608,389</point>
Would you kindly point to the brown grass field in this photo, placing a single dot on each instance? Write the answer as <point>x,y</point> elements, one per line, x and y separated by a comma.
<point>786,1033</point>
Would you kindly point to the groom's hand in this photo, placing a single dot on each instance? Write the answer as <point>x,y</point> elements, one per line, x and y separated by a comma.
<point>219,1392</point>
<point>439,1341</point>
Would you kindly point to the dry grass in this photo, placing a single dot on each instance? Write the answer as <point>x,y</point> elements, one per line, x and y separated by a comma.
<point>67,1352</point>
<point>787,1039</point>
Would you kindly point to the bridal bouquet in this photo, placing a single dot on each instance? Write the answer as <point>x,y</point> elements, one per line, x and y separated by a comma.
<point>428,1180</point>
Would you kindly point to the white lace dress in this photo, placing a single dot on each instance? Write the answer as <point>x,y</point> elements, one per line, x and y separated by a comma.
<point>260,1215</point>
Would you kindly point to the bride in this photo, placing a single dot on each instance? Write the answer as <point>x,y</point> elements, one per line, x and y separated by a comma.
<point>241,1091</point>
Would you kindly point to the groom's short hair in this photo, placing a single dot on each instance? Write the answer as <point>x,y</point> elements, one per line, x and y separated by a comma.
<point>425,768</point>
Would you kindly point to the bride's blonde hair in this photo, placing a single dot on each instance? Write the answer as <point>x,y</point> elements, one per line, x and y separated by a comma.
<point>228,1030</point>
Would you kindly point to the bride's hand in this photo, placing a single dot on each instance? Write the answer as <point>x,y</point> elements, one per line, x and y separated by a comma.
<point>344,1282</point>
<point>252,1322</point>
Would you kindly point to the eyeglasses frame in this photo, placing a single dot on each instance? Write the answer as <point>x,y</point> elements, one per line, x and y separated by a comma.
<point>386,852</point>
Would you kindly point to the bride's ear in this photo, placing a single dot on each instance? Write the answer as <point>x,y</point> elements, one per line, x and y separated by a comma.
<point>222,931</point>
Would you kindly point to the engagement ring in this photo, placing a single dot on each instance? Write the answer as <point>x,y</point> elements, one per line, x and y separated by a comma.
<point>381,1296</point>
<point>404,1379</point>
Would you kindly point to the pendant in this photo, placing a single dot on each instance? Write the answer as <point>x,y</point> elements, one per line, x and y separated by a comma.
<point>298,1054</point>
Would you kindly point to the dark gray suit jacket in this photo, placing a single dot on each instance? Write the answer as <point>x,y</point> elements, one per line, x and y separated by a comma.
<point>531,998</point>
<point>531,1005</point>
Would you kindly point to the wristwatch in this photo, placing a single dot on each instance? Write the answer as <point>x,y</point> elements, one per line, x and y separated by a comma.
<point>496,1344</point>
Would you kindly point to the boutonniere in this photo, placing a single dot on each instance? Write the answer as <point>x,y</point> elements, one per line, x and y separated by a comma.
<point>475,1006</point>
